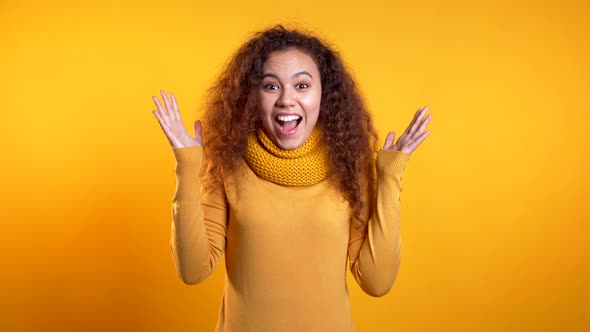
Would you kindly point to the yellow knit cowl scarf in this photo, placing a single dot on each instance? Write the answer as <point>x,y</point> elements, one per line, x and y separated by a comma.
<point>303,166</point>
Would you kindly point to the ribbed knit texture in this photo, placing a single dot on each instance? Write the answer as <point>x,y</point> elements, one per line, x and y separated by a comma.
<point>303,166</point>
<point>285,249</point>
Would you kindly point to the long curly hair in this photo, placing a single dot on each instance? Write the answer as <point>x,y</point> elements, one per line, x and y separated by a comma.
<point>231,113</point>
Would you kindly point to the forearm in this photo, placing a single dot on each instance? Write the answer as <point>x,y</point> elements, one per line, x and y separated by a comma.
<point>189,239</point>
<point>378,260</point>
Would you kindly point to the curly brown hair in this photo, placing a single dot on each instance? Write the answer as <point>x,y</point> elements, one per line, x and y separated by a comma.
<point>231,113</point>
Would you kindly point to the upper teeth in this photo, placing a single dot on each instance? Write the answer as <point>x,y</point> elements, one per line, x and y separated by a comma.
<point>286,118</point>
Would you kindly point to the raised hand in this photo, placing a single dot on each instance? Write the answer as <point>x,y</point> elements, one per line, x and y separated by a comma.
<point>413,136</point>
<point>171,122</point>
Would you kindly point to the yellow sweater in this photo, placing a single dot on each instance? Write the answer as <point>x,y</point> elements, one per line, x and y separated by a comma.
<point>286,248</point>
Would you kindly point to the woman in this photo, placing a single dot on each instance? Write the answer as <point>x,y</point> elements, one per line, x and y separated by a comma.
<point>290,187</point>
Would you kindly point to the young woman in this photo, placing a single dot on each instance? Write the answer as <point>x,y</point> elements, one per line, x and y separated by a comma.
<point>286,179</point>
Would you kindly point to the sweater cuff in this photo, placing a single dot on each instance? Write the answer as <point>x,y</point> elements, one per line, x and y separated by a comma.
<point>188,156</point>
<point>392,161</point>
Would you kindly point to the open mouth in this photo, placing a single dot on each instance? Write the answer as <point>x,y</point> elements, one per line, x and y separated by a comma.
<point>288,123</point>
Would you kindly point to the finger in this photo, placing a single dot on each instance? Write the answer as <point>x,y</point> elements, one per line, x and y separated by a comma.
<point>164,127</point>
<point>167,102</point>
<point>163,112</point>
<point>414,119</point>
<point>412,130</point>
<point>175,107</point>
<point>424,123</point>
<point>198,131</point>
<point>415,143</point>
<point>160,120</point>
<point>389,140</point>
<point>417,116</point>
<point>418,120</point>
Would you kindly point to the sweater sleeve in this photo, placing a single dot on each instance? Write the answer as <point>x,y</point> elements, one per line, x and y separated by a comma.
<point>199,219</point>
<point>374,252</point>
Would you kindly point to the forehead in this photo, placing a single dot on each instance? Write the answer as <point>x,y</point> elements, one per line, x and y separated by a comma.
<point>290,60</point>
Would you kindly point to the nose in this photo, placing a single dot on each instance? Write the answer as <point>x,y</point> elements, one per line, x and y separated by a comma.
<point>286,98</point>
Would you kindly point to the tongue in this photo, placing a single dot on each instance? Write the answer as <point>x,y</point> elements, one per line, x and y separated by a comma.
<point>289,125</point>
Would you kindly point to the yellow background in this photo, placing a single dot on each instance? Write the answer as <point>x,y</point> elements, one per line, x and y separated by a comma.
<point>495,207</point>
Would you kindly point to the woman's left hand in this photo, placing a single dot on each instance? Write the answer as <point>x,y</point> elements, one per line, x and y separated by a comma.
<point>413,136</point>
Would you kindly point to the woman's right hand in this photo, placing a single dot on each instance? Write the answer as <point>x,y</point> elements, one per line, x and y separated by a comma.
<point>170,121</point>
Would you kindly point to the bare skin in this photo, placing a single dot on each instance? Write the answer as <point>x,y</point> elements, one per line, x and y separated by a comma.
<point>171,123</point>
<point>169,118</point>
<point>413,136</point>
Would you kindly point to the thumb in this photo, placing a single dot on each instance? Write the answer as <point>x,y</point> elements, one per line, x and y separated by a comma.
<point>198,132</point>
<point>389,140</point>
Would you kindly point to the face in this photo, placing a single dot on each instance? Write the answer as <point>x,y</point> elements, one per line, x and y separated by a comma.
<point>289,97</point>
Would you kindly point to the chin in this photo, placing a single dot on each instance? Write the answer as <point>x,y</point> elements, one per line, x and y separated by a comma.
<point>289,141</point>
<point>289,144</point>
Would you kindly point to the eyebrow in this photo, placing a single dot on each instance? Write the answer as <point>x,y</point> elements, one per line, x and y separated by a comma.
<point>294,76</point>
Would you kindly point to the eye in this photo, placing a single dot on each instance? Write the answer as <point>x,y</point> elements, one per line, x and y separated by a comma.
<point>302,86</point>
<point>270,86</point>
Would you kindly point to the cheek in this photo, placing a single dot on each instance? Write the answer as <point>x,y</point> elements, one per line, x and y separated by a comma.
<point>265,104</point>
<point>312,102</point>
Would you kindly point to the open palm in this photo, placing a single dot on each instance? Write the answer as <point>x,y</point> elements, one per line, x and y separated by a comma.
<point>169,118</point>
<point>413,136</point>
